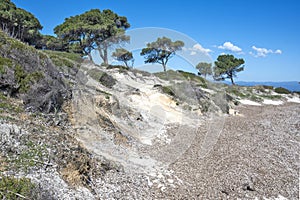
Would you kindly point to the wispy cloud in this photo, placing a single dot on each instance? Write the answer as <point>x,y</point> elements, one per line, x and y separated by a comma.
<point>231,47</point>
<point>263,52</point>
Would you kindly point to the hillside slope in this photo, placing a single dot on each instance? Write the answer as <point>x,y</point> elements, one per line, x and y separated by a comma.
<point>70,129</point>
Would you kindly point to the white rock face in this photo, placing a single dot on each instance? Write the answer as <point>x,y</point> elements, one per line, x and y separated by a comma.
<point>294,99</point>
<point>272,102</point>
<point>249,102</point>
<point>143,116</point>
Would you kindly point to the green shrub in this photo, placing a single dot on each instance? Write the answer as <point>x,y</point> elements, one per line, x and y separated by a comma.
<point>281,90</point>
<point>122,69</point>
<point>16,188</point>
<point>26,79</point>
<point>168,90</point>
<point>107,80</point>
<point>5,62</point>
<point>267,87</point>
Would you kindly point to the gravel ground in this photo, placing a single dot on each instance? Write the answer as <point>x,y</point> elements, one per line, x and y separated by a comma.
<point>256,156</point>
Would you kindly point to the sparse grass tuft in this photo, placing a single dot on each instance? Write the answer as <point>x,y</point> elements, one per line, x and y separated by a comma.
<point>95,73</point>
<point>7,105</point>
<point>271,96</point>
<point>255,98</point>
<point>235,91</point>
<point>32,156</point>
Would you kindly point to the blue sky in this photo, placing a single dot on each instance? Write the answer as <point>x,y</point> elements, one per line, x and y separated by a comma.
<point>263,32</point>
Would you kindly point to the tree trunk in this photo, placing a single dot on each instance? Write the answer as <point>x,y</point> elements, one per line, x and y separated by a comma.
<point>232,82</point>
<point>103,55</point>
<point>90,57</point>
<point>88,54</point>
<point>165,68</point>
<point>164,64</point>
<point>126,64</point>
<point>105,59</point>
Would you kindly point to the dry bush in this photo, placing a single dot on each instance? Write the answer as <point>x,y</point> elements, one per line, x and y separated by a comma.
<point>71,175</point>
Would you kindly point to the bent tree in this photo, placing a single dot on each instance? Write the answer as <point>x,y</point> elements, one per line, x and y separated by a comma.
<point>161,50</point>
<point>204,69</point>
<point>227,66</point>
<point>124,56</point>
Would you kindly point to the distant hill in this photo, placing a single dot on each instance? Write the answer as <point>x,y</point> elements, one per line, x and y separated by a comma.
<point>290,85</point>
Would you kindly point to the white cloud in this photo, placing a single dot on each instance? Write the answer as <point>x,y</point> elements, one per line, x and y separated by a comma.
<point>231,47</point>
<point>263,52</point>
<point>198,48</point>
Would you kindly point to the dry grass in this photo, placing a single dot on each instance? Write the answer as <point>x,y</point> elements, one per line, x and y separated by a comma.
<point>71,175</point>
<point>3,164</point>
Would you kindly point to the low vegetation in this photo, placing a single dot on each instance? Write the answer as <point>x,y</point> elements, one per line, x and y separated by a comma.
<point>281,90</point>
<point>168,90</point>
<point>9,105</point>
<point>35,91</point>
<point>25,80</point>
<point>16,188</point>
<point>30,75</point>
<point>64,59</point>
<point>107,80</point>
<point>180,75</point>
<point>5,62</point>
<point>95,73</point>
<point>122,69</point>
